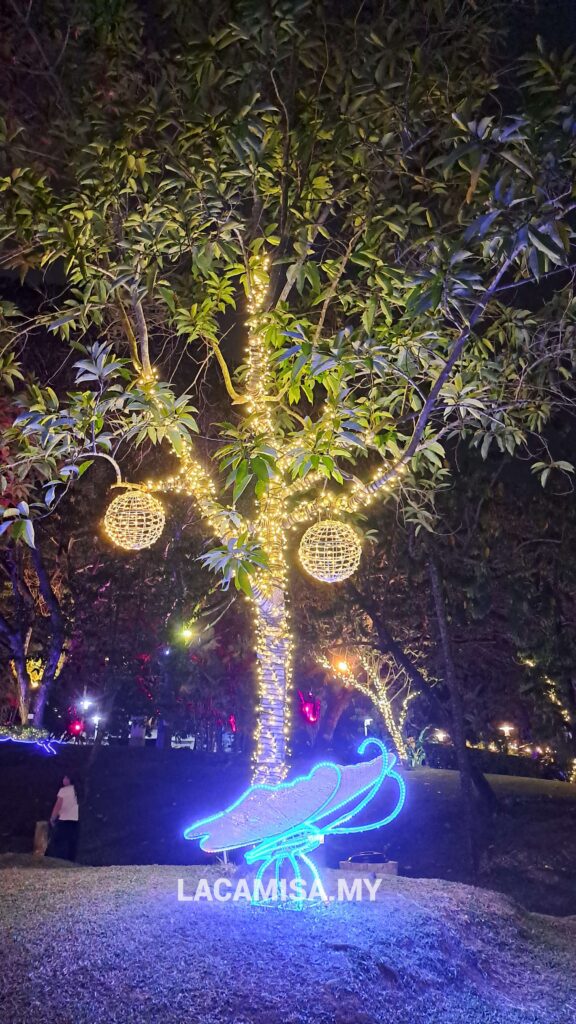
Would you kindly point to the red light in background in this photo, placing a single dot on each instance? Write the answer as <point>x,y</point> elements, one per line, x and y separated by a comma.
<point>76,727</point>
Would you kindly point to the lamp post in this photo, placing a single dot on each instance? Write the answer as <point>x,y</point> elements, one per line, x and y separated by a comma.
<point>507,729</point>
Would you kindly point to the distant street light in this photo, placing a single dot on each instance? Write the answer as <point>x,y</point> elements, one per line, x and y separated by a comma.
<point>507,729</point>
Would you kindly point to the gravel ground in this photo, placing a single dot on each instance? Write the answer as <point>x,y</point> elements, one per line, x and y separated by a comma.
<point>107,945</point>
<point>528,851</point>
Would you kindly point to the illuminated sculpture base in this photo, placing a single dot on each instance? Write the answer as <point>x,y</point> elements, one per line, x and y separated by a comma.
<point>282,824</point>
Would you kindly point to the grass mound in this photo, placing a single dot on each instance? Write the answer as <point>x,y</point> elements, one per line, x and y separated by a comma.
<point>106,945</point>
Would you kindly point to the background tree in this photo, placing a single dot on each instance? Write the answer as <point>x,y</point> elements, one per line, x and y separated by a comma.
<point>33,601</point>
<point>378,678</point>
<point>505,549</point>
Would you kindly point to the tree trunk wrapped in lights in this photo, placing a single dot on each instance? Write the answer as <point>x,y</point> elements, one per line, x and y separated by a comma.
<point>277,510</point>
<point>273,651</point>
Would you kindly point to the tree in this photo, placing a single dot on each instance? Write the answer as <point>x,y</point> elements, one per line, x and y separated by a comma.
<point>381,186</point>
<point>32,625</point>
<point>377,677</point>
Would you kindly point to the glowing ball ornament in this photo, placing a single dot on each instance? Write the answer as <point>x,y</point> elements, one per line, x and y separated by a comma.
<point>134,520</point>
<point>330,551</point>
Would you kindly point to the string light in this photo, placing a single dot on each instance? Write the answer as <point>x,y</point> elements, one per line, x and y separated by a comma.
<point>380,689</point>
<point>275,515</point>
<point>35,668</point>
<point>551,690</point>
<point>552,693</point>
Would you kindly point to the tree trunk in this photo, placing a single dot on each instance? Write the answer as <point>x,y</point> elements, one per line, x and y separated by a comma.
<point>385,708</point>
<point>56,642</point>
<point>333,715</point>
<point>458,730</point>
<point>388,645</point>
<point>16,633</point>
<point>48,678</point>
<point>273,651</point>
<point>22,687</point>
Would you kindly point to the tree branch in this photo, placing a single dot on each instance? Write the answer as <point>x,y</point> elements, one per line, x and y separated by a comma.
<point>130,335</point>
<point>289,284</point>
<point>430,403</point>
<point>336,282</point>
<point>236,397</point>
<point>364,493</point>
<point>141,331</point>
<point>195,481</point>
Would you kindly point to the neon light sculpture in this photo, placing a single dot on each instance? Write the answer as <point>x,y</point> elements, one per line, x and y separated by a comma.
<point>287,821</point>
<point>46,745</point>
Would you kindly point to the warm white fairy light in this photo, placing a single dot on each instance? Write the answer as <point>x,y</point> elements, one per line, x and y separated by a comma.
<point>330,551</point>
<point>551,690</point>
<point>274,645</point>
<point>270,525</point>
<point>369,680</point>
<point>36,667</point>
<point>134,520</point>
<point>552,694</point>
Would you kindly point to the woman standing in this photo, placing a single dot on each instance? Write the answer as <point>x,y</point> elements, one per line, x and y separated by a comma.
<point>64,823</point>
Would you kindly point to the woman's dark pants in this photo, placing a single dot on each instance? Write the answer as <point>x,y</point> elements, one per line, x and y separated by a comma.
<point>63,840</point>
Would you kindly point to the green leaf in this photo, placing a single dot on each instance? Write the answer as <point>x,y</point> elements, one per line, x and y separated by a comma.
<point>28,532</point>
<point>546,245</point>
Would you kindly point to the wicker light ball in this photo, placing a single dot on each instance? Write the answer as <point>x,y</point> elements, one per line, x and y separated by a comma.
<point>330,551</point>
<point>134,520</point>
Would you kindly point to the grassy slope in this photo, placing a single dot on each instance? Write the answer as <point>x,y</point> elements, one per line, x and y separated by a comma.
<point>106,945</point>
<point>139,801</point>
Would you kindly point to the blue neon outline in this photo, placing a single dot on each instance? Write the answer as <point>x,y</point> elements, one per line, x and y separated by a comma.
<point>389,760</point>
<point>295,843</point>
<point>270,787</point>
<point>195,831</point>
<point>45,745</point>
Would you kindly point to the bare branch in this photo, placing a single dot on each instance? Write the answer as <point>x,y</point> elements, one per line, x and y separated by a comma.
<point>302,259</point>
<point>130,335</point>
<point>430,403</point>
<point>236,397</point>
<point>336,281</point>
<point>141,332</point>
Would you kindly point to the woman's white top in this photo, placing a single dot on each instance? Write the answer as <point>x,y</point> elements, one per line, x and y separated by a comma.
<point>69,809</point>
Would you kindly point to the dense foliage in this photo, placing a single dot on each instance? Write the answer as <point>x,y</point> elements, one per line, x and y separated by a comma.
<point>398,174</point>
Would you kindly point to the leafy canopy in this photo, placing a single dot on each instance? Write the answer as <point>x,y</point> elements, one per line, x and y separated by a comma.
<point>406,185</point>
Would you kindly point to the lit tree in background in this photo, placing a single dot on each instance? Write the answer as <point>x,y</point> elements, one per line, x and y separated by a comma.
<point>358,177</point>
<point>377,677</point>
